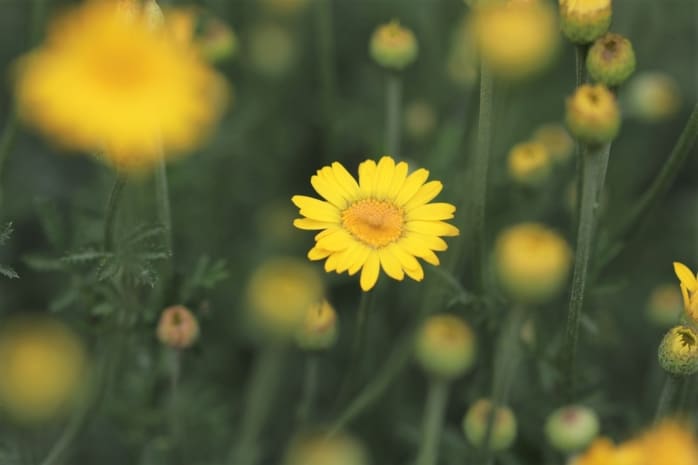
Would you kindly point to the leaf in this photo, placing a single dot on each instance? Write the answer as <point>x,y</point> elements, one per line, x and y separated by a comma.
<point>8,272</point>
<point>143,233</point>
<point>6,232</point>
<point>40,263</point>
<point>107,269</point>
<point>64,300</point>
<point>85,256</point>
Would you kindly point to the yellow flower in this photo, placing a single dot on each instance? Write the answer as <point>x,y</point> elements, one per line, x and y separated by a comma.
<point>689,290</point>
<point>556,139</point>
<point>319,328</point>
<point>393,46</point>
<point>385,220</point>
<point>529,163</point>
<point>106,81</point>
<point>42,365</point>
<point>319,448</point>
<point>653,96</point>
<point>664,305</point>
<point>604,452</point>
<point>670,442</point>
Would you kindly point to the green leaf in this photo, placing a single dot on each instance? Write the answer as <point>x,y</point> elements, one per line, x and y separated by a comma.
<point>41,263</point>
<point>8,272</point>
<point>85,256</point>
<point>6,232</point>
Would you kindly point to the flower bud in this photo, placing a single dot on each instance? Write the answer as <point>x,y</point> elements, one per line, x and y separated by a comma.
<point>583,21</point>
<point>611,60</point>
<point>515,40</point>
<point>570,429</point>
<point>678,352</point>
<point>653,96</point>
<point>279,294</point>
<point>272,51</point>
<point>532,262</point>
<point>557,140</point>
<point>218,41</point>
<point>319,329</point>
<point>321,449</point>
<point>664,305</point>
<point>178,327</point>
<point>420,119</point>
<point>529,163</point>
<point>393,46</point>
<point>504,426</point>
<point>42,369</point>
<point>445,346</point>
<point>592,114</point>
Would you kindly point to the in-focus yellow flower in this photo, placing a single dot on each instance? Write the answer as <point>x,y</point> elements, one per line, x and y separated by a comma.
<point>689,290</point>
<point>384,220</point>
<point>42,366</point>
<point>106,81</point>
<point>516,40</point>
<point>678,352</point>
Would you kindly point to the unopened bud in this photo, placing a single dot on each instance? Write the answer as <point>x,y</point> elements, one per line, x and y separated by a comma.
<point>504,427</point>
<point>178,327</point>
<point>611,60</point>
<point>571,428</point>
<point>445,346</point>
<point>393,46</point>
<point>319,329</point>
<point>592,114</point>
<point>583,21</point>
<point>678,352</point>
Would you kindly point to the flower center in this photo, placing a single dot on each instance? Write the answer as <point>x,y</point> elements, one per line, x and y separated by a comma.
<point>376,223</point>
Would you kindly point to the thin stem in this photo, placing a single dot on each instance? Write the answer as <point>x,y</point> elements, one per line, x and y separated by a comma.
<point>175,357</point>
<point>309,388</point>
<point>7,141</point>
<point>435,410</point>
<point>506,363</point>
<point>478,193</point>
<point>393,114</point>
<point>594,165</point>
<point>162,197</point>
<point>580,55</point>
<point>112,207</point>
<point>358,346</point>
<point>666,398</point>
<point>327,74</point>
<point>661,184</point>
<point>259,401</point>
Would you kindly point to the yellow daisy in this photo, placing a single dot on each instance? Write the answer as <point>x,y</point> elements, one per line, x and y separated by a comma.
<point>112,82</point>
<point>384,220</point>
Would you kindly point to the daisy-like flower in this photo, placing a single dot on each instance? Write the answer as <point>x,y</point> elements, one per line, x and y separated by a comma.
<point>385,220</point>
<point>689,290</point>
<point>108,79</point>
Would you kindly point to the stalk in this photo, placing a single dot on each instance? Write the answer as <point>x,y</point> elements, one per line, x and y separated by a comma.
<point>112,208</point>
<point>162,197</point>
<point>393,114</point>
<point>594,166</point>
<point>664,406</point>
<point>437,398</point>
<point>309,389</point>
<point>327,74</point>
<point>7,139</point>
<point>358,345</point>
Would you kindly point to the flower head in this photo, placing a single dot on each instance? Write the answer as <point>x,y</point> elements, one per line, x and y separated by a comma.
<point>319,448</point>
<point>106,80</point>
<point>178,327</point>
<point>678,352</point>
<point>571,428</point>
<point>689,290</point>
<point>504,428</point>
<point>384,220</point>
<point>556,139</point>
<point>529,163</point>
<point>664,305</point>
<point>592,114</point>
<point>583,21</point>
<point>319,328</point>
<point>611,60</point>
<point>653,96</point>
<point>393,46</point>
<point>445,346</point>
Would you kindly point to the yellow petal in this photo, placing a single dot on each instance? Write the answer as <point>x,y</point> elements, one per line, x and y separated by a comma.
<point>310,225</point>
<point>432,211</point>
<point>406,260</point>
<point>686,299</point>
<point>431,242</point>
<point>367,177</point>
<point>315,254</point>
<point>316,209</point>
<point>398,180</point>
<point>345,179</point>
<point>432,228</point>
<point>425,194</point>
<point>359,260</point>
<point>369,272</point>
<point>336,241</point>
<point>391,265</point>
<point>348,257</point>
<point>384,176</point>
<point>412,184</point>
<point>686,276</point>
<point>332,262</point>
<point>415,273</point>
<point>328,191</point>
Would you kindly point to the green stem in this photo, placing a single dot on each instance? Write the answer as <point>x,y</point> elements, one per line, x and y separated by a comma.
<point>309,389</point>
<point>661,184</point>
<point>478,192</point>
<point>175,357</point>
<point>594,166</point>
<point>580,53</point>
<point>7,141</point>
<point>506,363</point>
<point>435,410</point>
<point>259,401</point>
<point>664,406</point>
<point>358,346</point>
<point>112,207</point>
<point>327,73</point>
<point>162,197</point>
<point>393,115</point>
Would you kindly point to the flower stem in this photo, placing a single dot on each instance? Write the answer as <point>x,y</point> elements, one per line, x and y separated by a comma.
<point>437,397</point>
<point>162,197</point>
<point>666,398</point>
<point>478,193</point>
<point>309,389</point>
<point>7,141</point>
<point>661,184</point>
<point>594,172</point>
<point>393,115</point>
<point>259,400</point>
<point>327,74</point>
<point>175,359</point>
<point>112,208</point>
<point>506,363</point>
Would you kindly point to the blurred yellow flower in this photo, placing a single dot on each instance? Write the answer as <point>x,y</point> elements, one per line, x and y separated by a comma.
<point>279,294</point>
<point>319,448</point>
<point>592,114</point>
<point>653,96</point>
<point>670,442</point>
<point>556,139</point>
<point>445,346</point>
<point>603,452</point>
<point>529,163</point>
<point>664,305</point>
<point>108,81</point>
<point>516,39</point>
<point>385,220</point>
<point>319,328</point>
<point>42,368</point>
<point>393,46</point>
<point>689,290</point>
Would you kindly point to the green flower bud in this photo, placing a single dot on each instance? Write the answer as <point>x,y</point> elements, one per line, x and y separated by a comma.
<point>393,46</point>
<point>319,330</point>
<point>445,346</point>
<point>582,21</point>
<point>503,429</point>
<point>571,428</point>
<point>592,114</point>
<point>611,60</point>
<point>678,352</point>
